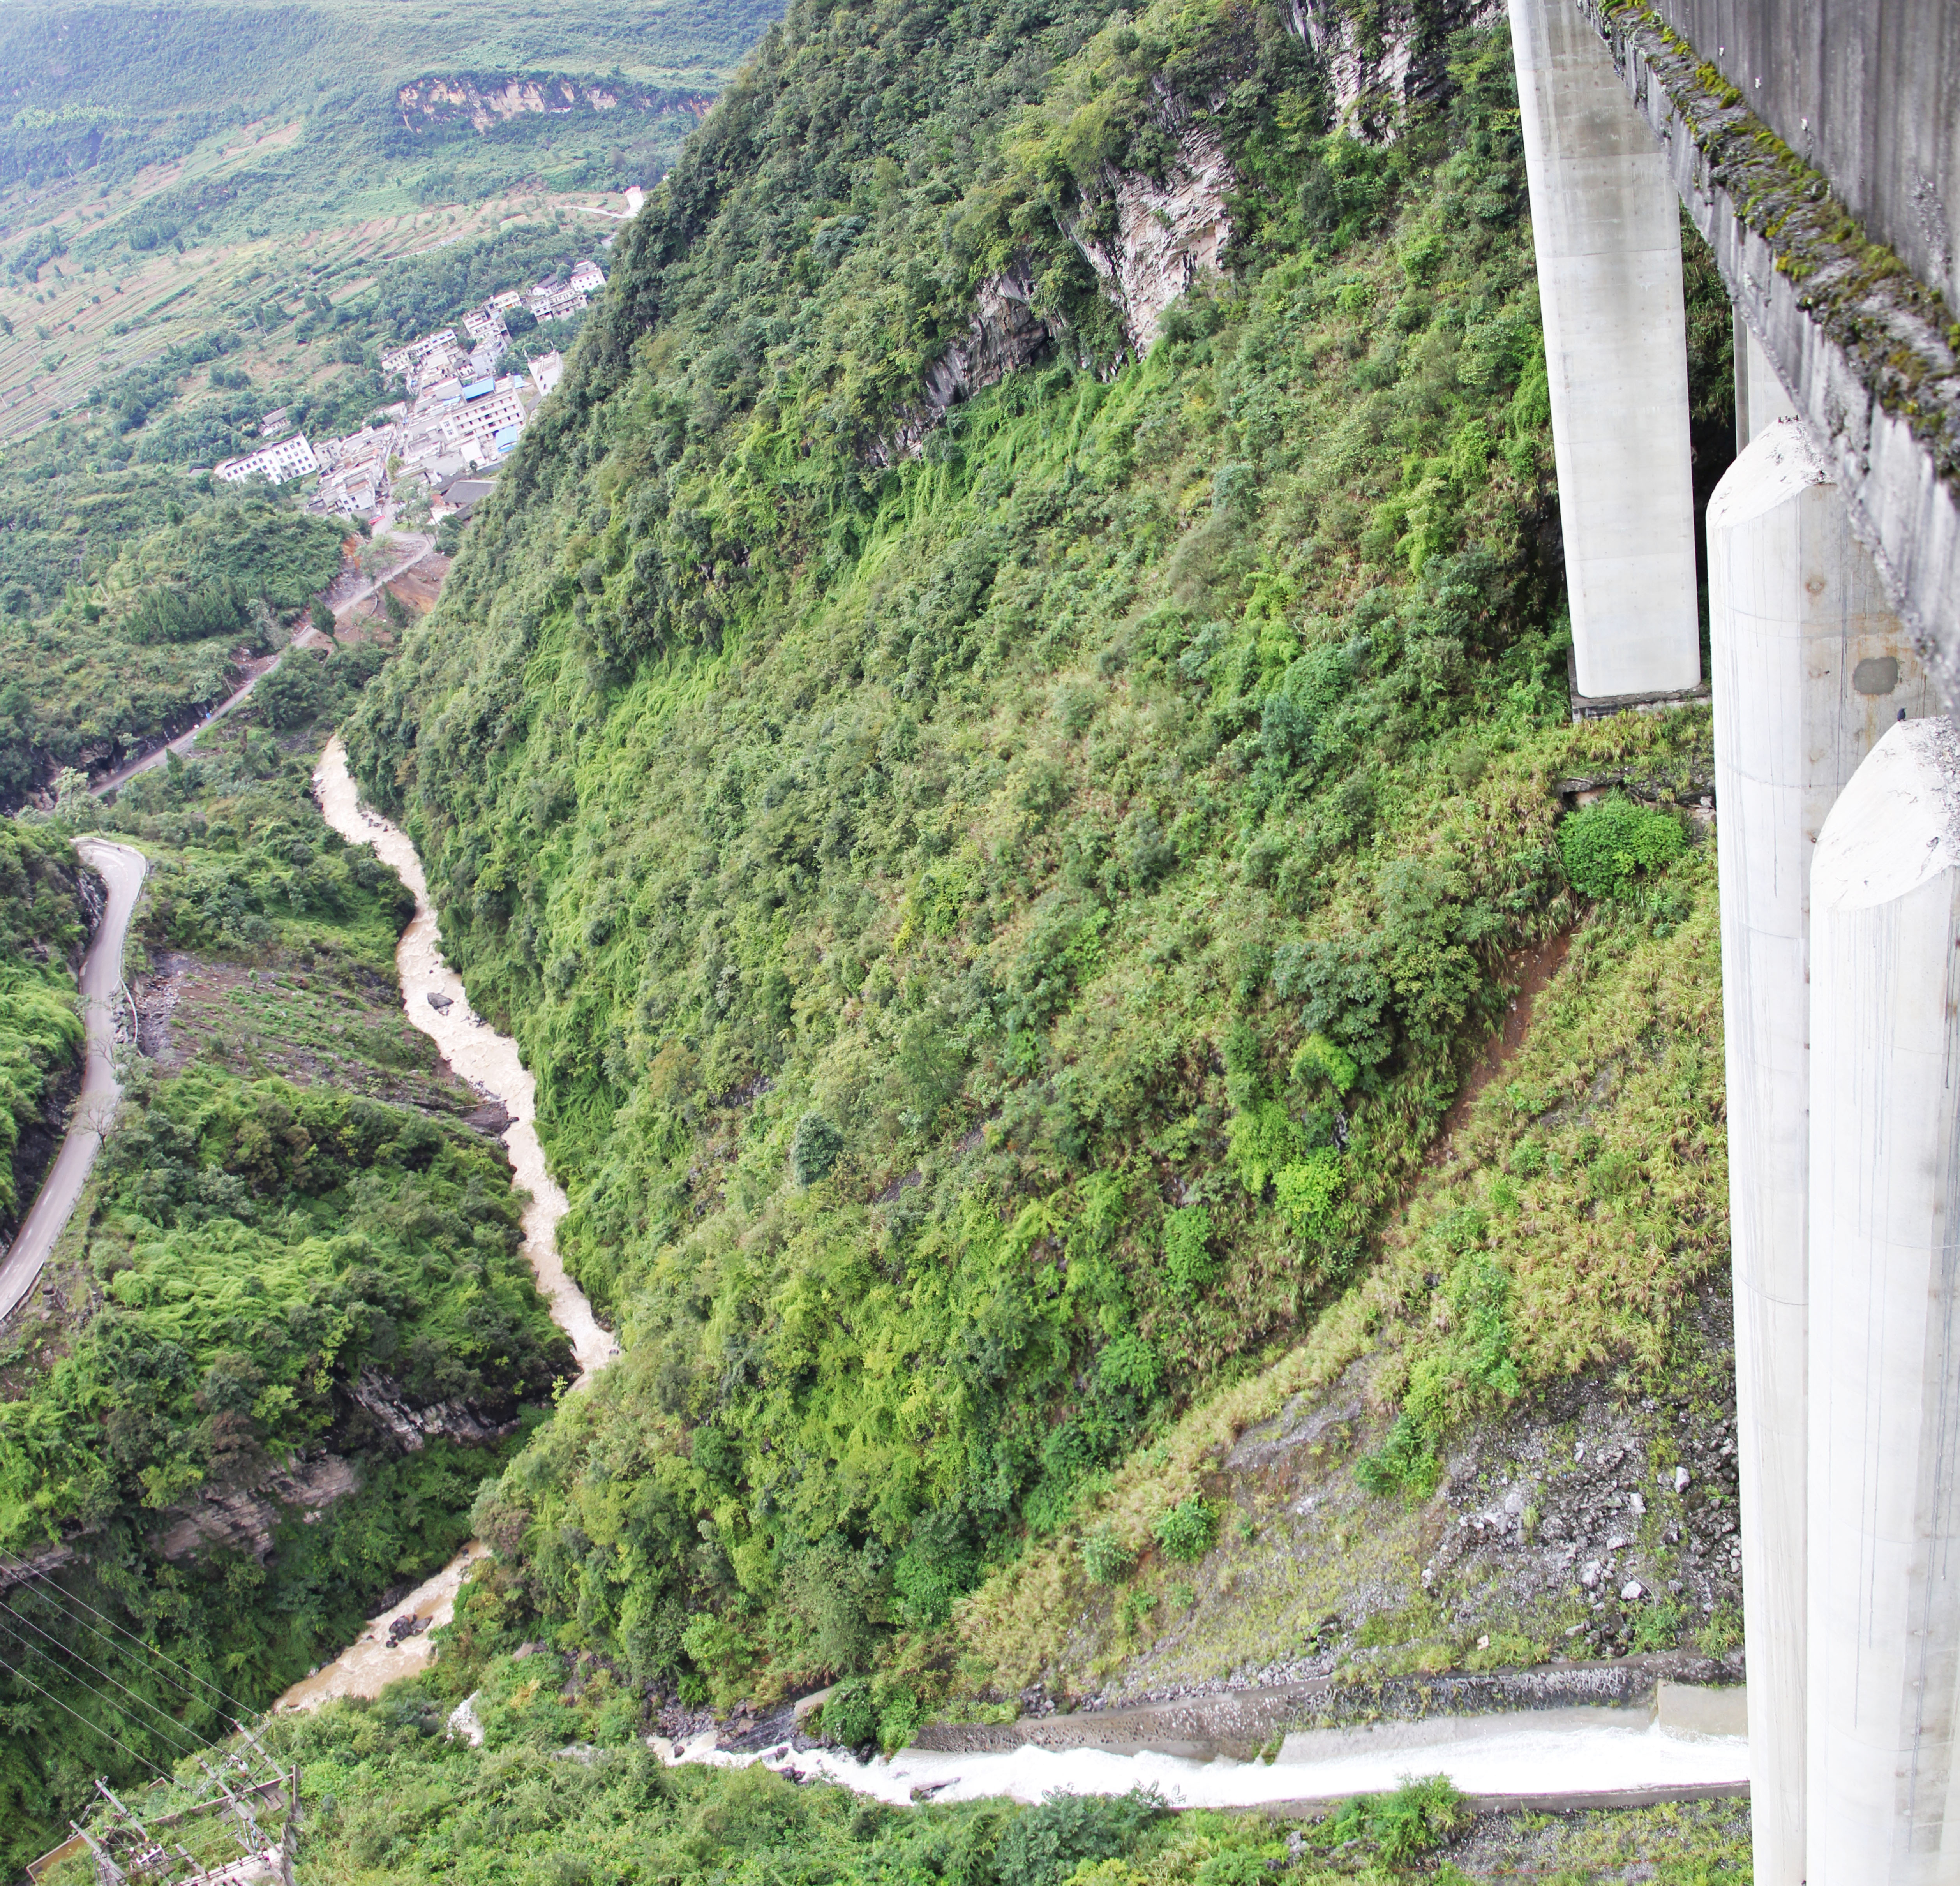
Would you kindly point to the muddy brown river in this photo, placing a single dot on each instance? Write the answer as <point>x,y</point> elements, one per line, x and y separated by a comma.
<point>489,1062</point>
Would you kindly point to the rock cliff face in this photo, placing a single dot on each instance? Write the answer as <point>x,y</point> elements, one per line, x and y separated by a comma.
<point>485,99</point>
<point>379,1420</point>
<point>1148,241</point>
<point>381,1400</point>
<point>242,1519</point>
<point>1006,334</point>
<point>1377,70</point>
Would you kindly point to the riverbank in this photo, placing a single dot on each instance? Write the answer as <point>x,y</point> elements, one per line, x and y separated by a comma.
<point>489,1062</point>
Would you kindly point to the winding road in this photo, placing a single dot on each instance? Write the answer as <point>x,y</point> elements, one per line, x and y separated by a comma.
<point>122,867</point>
<point>416,546</point>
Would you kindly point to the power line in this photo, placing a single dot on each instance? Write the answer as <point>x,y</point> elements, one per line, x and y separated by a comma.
<point>108,1702</point>
<point>53,1597</point>
<point>62,1598</point>
<point>21,1676</point>
<point>188,1747</point>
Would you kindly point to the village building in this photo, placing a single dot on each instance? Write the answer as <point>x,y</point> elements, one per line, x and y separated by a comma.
<point>276,463</point>
<point>399,359</point>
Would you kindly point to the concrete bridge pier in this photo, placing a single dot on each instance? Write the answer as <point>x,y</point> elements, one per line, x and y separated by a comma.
<point>1607,234</point>
<point>1885,1330</point>
<point>1810,669</point>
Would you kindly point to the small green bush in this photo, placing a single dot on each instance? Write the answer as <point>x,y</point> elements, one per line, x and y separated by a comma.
<point>1606,846</point>
<point>1106,1558</point>
<point>1046,1844</point>
<point>1307,1189</point>
<point>814,1149</point>
<point>1187,1256</point>
<point>1418,1818</point>
<point>1657,1628</point>
<point>1318,1059</point>
<point>850,1717</point>
<point>1129,1365</point>
<point>1187,1531</point>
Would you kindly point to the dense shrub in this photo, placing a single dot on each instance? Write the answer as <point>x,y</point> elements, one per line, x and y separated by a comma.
<point>1608,846</point>
<point>1188,1530</point>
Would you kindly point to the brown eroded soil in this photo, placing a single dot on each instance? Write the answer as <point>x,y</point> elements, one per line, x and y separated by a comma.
<point>1532,970</point>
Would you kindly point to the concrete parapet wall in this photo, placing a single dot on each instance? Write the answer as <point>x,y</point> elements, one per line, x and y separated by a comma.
<point>1864,90</point>
<point>1240,1723</point>
<point>1863,349</point>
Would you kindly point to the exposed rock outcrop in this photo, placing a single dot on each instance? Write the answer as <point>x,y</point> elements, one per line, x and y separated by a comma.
<point>244,1519</point>
<point>485,99</point>
<point>381,1397</point>
<point>1005,334</point>
<point>50,1558</point>
<point>1149,240</point>
<point>1377,75</point>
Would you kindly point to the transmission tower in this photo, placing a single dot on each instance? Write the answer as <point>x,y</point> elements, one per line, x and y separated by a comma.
<point>229,1817</point>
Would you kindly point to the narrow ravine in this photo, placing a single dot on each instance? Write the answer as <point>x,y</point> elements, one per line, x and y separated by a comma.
<point>487,1060</point>
<point>490,1062</point>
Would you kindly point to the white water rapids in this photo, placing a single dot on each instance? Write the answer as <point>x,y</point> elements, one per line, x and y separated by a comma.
<point>1561,1751</point>
<point>1554,1751</point>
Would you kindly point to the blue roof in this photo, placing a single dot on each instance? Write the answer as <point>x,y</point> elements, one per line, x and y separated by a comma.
<point>507,437</point>
<point>478,388</point>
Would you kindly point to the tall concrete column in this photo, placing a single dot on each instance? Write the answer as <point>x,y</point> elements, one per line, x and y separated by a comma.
<point>1760,399</point>
<point>1607,234</point>
<point>1885,1330</point>
<point>1810,669</point>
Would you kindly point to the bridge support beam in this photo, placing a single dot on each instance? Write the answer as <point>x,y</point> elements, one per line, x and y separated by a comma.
<point>1810,668</point>
<point>1885,1339</point>
<point>1607,234</point>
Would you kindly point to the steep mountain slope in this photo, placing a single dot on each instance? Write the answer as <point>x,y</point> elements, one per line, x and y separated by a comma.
<point>997,749</point>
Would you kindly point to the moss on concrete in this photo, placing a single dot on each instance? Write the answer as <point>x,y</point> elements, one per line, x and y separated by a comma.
<point>1897,334</point>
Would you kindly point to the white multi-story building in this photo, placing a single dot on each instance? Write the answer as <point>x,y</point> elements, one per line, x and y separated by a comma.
<point>547,370</point>
<point>276,463</point>
<point>399,359</point>
<point>486,324</point>
<point>587,277</point>
<point>552,301</point>
<point>482,414</point>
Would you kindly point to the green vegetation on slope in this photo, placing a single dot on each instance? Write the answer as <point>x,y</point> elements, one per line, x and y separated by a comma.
<point>41,933</point>
<point>253,1251</point>
<point>995,936</point>
<point>1580,1206</point>
<point>157,608</point>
